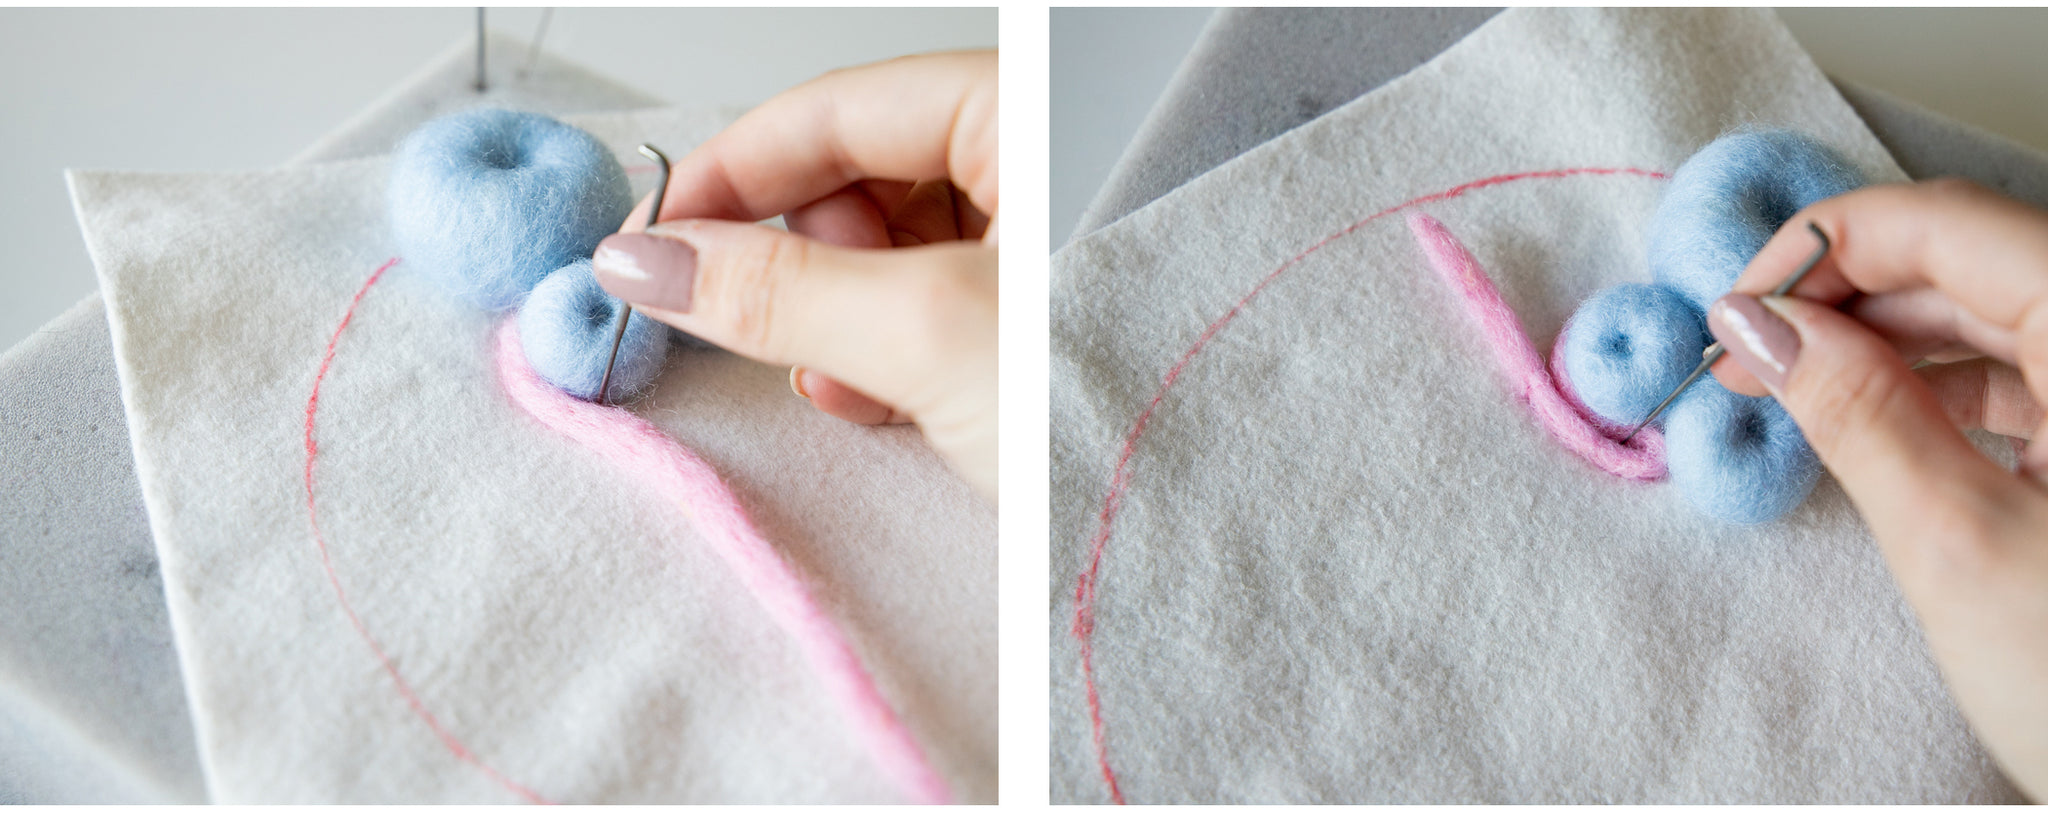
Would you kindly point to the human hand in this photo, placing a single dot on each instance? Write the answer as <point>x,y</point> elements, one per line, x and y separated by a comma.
<point>882,294</point>
<point>1949,273</point>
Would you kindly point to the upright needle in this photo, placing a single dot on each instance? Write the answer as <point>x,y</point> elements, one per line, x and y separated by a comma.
<point>479,49</point>
<point>1713,353</point>
<point>653,214</point>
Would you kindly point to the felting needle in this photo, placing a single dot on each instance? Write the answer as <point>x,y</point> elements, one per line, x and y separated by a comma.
<point>479,49</point>
<point>653,214</point>
<point>533,49</point>
<point>1714,352</point>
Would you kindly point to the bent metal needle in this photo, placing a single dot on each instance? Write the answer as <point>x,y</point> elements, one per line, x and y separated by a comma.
<point>619,331</point>
<point>1713,353</point>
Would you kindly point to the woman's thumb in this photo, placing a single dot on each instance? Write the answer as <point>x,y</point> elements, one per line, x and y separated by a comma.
<point>900,325</point>
<point>1878,427</point>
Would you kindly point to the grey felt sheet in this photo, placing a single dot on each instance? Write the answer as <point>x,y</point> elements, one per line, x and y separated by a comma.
<point>92,708</point>
<point>1258,73</point>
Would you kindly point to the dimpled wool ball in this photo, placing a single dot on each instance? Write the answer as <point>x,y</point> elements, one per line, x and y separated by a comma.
<point>1628,346</point>
<point>1735,458</point>
<point>489,202</point>
<point>566,330</point>
<point>1729,198</point>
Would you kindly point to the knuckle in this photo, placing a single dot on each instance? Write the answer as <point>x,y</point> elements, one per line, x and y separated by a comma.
<point>750,288</point>
<point>1842,405</point>
<point>1953,188</point>
<point>943,309</point>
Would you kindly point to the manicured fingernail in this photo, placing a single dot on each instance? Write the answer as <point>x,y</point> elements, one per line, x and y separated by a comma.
<point>1758,339</point>
<point>646,269</point>
<point>796,381</point>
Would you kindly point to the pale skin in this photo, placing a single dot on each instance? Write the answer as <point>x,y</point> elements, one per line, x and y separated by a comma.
<point>882,294</point>
<point>1951,274</point>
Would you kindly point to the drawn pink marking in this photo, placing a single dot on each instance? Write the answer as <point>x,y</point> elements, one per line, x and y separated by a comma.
<point>412,699</point>
<point>1642,459</point>
<point>1119,483</point>
<point>668,468</point>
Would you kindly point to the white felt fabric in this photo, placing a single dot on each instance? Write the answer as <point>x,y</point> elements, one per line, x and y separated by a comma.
<point>1350,568</point>
<point>563,623</point>
<point>91,705</point>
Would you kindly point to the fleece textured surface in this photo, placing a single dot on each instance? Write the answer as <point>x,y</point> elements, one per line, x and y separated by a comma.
<point>549,615</point>
<point>96,711</point>
<point>1338,563</point>
<point>571,320</point>
<point>1259,72</point>
<point>1731,197</point>
<point>1628,345</point>
<point>490,201</point>
<point>665,467</point>
<point>91,709</point>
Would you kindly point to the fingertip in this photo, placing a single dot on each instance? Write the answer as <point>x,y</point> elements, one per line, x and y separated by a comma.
<point>1734,377</point>
<point>840,401</point>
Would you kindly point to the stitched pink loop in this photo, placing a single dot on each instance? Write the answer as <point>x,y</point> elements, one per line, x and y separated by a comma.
<point>1557,411</point>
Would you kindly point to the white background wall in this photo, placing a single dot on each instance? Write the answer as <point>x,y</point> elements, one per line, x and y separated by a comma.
<point>218,89</point>
<point>1986,67</point>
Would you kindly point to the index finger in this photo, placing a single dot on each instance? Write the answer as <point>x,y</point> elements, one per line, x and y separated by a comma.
<point>1988,253</point>
<point>907,119</point>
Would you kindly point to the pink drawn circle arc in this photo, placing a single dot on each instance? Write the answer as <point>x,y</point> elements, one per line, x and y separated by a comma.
<point>1085,586</point>
<point>419,708</point>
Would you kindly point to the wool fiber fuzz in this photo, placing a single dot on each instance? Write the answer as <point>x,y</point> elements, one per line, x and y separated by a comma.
<point>1548,399</point>
<point>568,320</point>
<point>1729,198</point>
<point>665,466</point>
<point>1736,458</point>
<point>1628,346</point>
<point>488,202</point>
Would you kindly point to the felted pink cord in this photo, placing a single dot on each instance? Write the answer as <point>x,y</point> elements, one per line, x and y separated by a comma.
<point>1085,586</point>
<point>652,458</point>
<point>1642,459</point>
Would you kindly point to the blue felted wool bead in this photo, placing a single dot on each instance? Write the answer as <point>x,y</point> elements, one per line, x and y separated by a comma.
<point>488,202</point>
<point>1729,198</point>
<point>1628,346</point>
<point>566,328</point>
<point>1736,458</point>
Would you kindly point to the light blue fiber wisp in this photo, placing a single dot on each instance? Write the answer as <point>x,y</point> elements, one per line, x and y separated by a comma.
<point>1729,198</point>
<point>488,202</point>
<point>1735,458</point>
<point>566,329</point>
<point>1628,346</point>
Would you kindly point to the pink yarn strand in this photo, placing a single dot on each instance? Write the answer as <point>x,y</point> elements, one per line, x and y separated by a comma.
<point>651,457</point>
<point>1642,459</point>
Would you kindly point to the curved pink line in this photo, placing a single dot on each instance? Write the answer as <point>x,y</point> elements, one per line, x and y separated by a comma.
<point>1119,483</point>
<point>1642,459</point>
<point>641,449</point>
<point>405,690</point>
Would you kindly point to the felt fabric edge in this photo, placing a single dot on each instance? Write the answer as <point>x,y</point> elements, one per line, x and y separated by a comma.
<point>83,188</point>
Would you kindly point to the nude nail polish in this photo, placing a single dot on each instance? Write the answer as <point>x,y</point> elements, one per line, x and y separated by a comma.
<point>648,270</point>
<point>1758,339</point>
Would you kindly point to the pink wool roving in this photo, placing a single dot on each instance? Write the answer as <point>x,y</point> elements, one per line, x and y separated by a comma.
<point>1642,459</point>
<point>654,459</point>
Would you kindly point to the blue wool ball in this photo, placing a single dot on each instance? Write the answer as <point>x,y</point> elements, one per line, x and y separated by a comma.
<point>1729,198</point>
<point>1736,458</point>
<point>488,202</point>
<point>566,329</point>
<point>1628,346</point>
